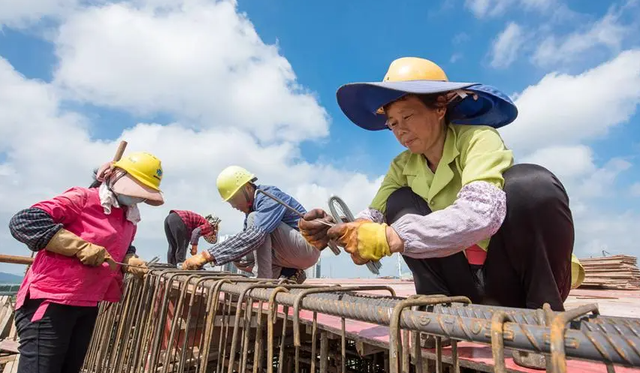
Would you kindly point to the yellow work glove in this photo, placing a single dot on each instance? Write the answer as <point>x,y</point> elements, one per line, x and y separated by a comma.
<point>69,244</point>
<point>362,239</point>
<point>197,261</point>
<point>136,266</point>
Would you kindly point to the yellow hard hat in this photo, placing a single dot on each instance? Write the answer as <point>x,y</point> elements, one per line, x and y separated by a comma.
<point>143,167</point>
<point>231,179</point>
<point>414,68</point>
<point>143,174</point>
<point>577,272</point>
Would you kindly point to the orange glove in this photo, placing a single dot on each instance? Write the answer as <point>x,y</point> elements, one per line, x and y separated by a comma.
<point>197,261</point>
<point>363,239</point>
<point>313,231</point>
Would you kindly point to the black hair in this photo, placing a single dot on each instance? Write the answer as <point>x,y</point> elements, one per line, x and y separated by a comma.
<point>431,100</point>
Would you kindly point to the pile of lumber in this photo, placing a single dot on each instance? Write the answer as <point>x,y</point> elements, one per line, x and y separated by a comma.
<point>611,272</point>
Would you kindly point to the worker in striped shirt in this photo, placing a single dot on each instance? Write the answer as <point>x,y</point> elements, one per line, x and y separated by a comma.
<point>270,231</point>
<point>183,227</point>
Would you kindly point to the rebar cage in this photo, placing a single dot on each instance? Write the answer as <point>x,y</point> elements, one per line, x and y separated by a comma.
<point>208,321</point>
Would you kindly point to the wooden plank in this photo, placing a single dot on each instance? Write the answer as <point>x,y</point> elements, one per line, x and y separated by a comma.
<point>613,272</point>
<point>9,345</point>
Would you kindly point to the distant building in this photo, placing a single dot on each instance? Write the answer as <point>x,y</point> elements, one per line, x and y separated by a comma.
<point>313,272</point>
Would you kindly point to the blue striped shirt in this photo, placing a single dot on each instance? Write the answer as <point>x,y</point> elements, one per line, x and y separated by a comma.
<point>268,215</point>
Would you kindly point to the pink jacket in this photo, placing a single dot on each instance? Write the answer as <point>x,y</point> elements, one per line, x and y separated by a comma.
<point>65,280</point>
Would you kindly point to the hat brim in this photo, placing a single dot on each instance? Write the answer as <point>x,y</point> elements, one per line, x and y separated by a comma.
<point>128,186</point>
<point>490,107</point>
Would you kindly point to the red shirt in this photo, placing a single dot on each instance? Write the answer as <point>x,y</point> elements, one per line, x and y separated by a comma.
<point>65,280</point>
<point>194,221</point>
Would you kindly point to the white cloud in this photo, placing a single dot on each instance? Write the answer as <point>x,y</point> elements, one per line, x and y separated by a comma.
<point>201,62</point>
<point>565,110</point>
<point>205,65</point>
<point>616,233</point>
<point>607,32</point>
<point>461,37</point>
<point>23,13</point>
<point>495,8</point>
<point>567,162</point>
<point>635,190</point>
<point>540,5</point>
<point>596,228</point>
<point>600,183</point>
<point>487,8</point>
<point>506,46</point>
<point>63,155</point>
<point>455,57</point>
<point>558,117</point>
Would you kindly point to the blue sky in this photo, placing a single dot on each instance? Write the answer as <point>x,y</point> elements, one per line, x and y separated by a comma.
<point>326,44</point>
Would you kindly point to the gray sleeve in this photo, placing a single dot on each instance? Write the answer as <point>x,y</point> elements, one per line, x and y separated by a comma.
<point>477,214</point>
<point>195,236</point>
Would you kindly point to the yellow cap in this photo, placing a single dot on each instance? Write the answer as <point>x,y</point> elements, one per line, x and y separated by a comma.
<point>414,68</point>
<point>231,179</point>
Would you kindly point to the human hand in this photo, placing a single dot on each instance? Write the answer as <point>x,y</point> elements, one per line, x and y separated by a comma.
<point>135,265</point>
<point>314,230</point>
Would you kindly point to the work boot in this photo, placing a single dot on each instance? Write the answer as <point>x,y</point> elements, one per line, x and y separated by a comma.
<point>298,277</point>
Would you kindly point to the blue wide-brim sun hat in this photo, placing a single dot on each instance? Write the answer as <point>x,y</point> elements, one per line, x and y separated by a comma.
<point>490,107</point>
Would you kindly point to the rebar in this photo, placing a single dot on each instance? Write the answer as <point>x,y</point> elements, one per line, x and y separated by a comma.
<point>518,336</point>
<point>193,321</point>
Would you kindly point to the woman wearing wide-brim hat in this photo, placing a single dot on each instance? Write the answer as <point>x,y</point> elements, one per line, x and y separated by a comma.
<point>79,236</point>
<point>466,220</point>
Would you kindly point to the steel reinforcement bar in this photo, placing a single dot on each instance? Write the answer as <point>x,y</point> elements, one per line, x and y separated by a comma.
<point>590,345</point>
<point>175,321</point>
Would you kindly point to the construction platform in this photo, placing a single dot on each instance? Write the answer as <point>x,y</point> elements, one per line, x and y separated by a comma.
<point>206,321</point>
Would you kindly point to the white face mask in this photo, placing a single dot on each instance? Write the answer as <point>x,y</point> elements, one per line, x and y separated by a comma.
<point>128,200</point>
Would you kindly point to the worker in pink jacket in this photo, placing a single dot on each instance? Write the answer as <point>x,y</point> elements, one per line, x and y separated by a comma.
<point>79,236</point>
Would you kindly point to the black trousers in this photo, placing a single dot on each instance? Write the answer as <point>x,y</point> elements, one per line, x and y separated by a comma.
<point>58,342</point>
<point>528,260</point>
<point>176,232</point>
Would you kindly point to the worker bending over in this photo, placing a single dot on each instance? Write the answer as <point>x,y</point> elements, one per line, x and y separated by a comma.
<point>184,227</point>
<point>78,236</point>
<point>467,221</point>
<point>270,229</point>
